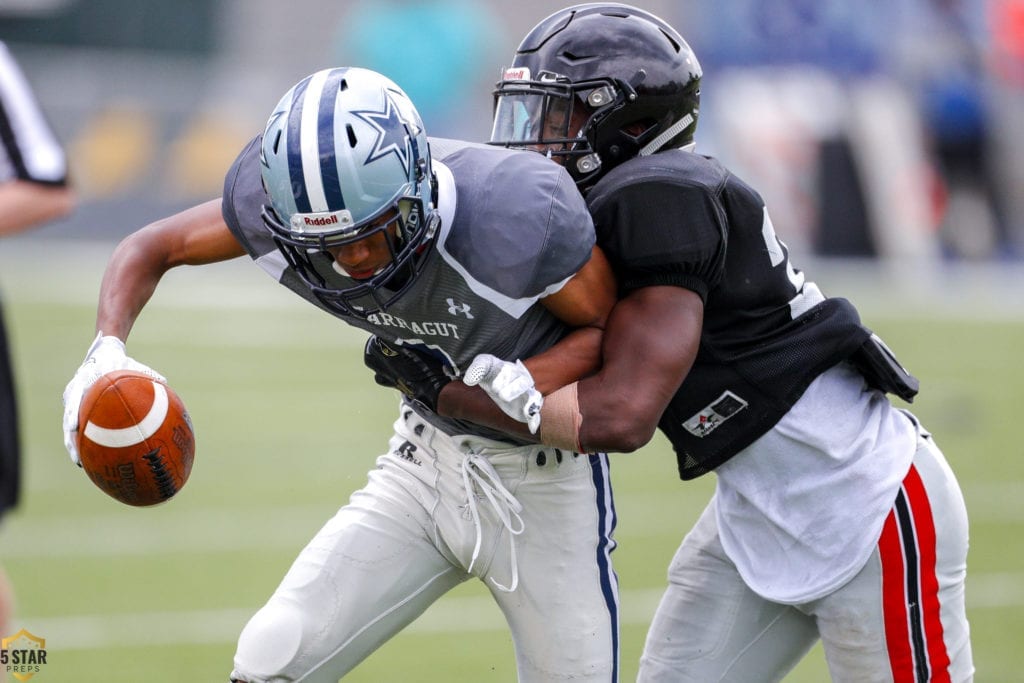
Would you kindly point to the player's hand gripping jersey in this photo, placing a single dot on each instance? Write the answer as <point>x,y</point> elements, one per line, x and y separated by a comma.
<point>679,218</point>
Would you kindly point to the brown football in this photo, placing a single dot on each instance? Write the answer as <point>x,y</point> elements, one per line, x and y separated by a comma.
<point>135,438</point>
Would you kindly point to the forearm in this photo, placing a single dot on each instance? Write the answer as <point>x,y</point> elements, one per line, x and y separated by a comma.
<point>643,367</point>
<point>195,236</point>
<point>131,277</point>
<point>24,205</point>
<point>472,404</point>
<point>617,409</point>
<point>577,355</point>
<point>584,304</point>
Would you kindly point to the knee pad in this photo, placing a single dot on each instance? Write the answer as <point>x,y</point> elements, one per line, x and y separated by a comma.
<point>268,645</point>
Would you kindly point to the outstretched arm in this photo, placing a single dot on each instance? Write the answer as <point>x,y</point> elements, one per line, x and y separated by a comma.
<point>27,204</point>
<point>195,236</point>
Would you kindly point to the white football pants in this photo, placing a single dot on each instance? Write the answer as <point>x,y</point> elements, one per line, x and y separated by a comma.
<point>901,619</point>
<point>538,522</point>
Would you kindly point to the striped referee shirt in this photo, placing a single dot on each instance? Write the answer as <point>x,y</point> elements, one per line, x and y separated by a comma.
<point>29,150</point>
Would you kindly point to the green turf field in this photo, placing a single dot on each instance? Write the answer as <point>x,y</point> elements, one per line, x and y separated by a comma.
<point>288,422</point>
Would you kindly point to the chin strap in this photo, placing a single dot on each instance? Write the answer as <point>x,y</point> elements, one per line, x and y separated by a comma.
<point>666,135</point>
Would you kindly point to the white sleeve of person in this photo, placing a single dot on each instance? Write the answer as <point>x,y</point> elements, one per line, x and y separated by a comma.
<point>105,355</point>
<point>510,386</point>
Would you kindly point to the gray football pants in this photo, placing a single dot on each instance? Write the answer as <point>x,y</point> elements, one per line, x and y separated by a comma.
<point>901,618</point>
<point>410,535</point>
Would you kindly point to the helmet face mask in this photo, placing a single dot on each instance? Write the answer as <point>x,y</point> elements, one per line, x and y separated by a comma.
<point>310,254</point>
<point>539,116</point>
<point>632,85</point>
<point>345,158</point>
<point>552,115</point>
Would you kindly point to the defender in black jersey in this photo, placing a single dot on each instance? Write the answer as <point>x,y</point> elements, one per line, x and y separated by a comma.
<point>34,189</point>
<point>452,249</point>
<point>835,515</point>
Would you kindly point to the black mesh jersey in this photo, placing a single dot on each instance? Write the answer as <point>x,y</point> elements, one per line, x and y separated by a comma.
<point>679,218</point>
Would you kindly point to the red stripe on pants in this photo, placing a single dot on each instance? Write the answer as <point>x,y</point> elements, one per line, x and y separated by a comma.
<point>898,627</point>
<point>917,497</point>
<point>894,602</point>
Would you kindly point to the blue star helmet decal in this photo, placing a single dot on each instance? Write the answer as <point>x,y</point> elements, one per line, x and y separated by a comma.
<point>393,134</point>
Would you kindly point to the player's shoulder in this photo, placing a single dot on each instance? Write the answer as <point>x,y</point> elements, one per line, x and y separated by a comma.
<point>671,169</point>
<point>244,165</point>
<point>670,203</point>
<point>244,197</point>
<point>516,212</point>
<point>243,177</point>
<point>494,164</point>
<point>442,148</point>
<point>497,188</point>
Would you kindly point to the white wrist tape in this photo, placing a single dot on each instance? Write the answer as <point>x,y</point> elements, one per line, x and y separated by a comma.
<point>560,419</point>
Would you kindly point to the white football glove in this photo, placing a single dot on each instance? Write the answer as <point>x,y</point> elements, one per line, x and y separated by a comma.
<point>510,386</point>
<point>105,355</point>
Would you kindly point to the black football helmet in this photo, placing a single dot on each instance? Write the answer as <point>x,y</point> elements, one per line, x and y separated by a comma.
<point>597,84</point>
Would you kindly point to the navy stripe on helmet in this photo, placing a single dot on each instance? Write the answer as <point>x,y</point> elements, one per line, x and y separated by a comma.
<point>294,149</point>
<point>325,137</point>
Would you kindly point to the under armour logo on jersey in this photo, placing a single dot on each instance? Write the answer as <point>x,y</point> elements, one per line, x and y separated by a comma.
<point>455,308</point>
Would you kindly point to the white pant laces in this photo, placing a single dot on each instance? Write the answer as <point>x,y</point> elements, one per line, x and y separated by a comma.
<point>476,469</point>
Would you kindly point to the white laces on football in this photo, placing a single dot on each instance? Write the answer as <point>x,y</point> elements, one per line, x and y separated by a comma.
<point>478,471</point>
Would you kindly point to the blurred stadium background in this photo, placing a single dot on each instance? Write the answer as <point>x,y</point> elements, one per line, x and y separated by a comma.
<point>888,138</point>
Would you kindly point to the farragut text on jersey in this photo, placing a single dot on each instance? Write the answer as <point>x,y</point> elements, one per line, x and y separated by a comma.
<point>430,329</point>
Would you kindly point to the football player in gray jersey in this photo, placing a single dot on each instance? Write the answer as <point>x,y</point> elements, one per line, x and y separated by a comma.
<point>835,515</point>
<point>454,250</point>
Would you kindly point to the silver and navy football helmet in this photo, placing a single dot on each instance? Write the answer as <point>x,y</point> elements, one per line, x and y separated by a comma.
<point>344,148</point>
<point>596,84</point>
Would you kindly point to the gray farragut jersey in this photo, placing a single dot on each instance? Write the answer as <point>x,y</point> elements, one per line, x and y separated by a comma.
<point>681,219</point>
<point>513,229</point>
